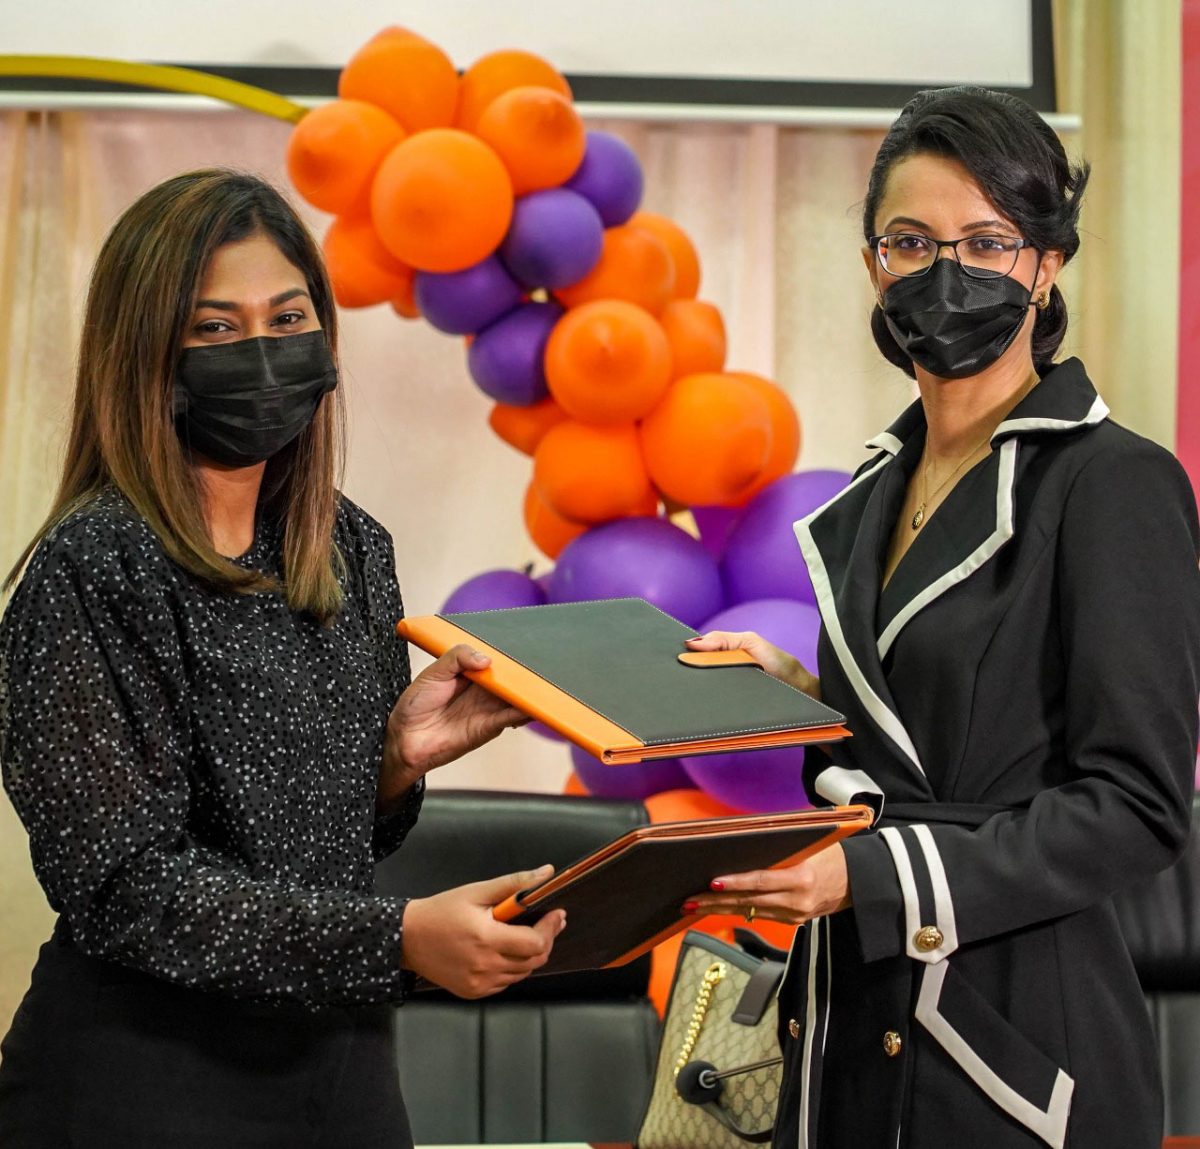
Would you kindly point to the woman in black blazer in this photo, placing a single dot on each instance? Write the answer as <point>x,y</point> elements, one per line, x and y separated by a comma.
<point>1011,609</point>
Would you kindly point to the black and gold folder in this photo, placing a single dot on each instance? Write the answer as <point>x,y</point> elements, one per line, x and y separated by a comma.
<point>615,677</point>
<point>628,896</point>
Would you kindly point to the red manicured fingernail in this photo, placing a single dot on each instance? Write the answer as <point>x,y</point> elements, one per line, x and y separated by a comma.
<point>690,907</point>
<point>716,884</point>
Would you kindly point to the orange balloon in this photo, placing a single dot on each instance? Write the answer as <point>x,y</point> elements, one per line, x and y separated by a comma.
<point>405,304</point>
<point>664,957</point>
<point>685,806</point>
<point>538,135</point>
<point>362,271</point>
<point>333,152</point>
<point>709,441</point>
<point>410,78</point>
<point>574,785</point>
<point>523,427</point>
<point>550,531</point>
<point>683,251</point>
<point>592,474</point>
<point>785,430</point>
<point>696,334</point>
<point>607,362</point>
<point>499,72</point>
<point>635,266</point>
<point>441,200</point>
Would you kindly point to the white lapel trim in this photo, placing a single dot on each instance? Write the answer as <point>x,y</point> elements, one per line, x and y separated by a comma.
<point>1002,533</point>
<point>1049,1124</point>
<point>1097,413</point>
<point>882,716</point>
<point>885,441</point>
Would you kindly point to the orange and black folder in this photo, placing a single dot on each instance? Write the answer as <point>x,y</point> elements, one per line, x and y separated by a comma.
<point>614,677</point>
<point>628,895</point>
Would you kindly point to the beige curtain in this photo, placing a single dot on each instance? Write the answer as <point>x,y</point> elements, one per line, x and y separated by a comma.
<point>1119,68</point>
<point>775,215</point>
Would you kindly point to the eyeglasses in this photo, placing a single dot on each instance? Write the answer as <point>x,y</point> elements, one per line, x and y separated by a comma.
<point>904,253</point>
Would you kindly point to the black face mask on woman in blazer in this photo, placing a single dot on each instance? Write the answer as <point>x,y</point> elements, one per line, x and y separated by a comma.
<point>954,324</point>
<point>239,403</point>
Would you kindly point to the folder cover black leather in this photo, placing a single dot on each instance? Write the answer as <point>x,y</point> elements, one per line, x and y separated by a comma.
<point>606,674</point>
<point>628,896</point>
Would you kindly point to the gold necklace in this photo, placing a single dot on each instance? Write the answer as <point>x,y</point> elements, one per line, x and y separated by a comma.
<point>919,515</point>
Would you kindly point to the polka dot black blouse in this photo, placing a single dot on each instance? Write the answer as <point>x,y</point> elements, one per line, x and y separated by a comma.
<point>197,770</point>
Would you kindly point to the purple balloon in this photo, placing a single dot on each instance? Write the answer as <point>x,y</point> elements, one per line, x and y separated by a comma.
<point>494,590</point>
<point>762,558</point>
<point>610,177</point>
<point>761,781</point>
<point>555,239</point>
<point>640,558</point>
<point>715,525</point>
<point>634,780</point>
<point>543,731</point>
<point>463,302</point>
<point>505,359</point>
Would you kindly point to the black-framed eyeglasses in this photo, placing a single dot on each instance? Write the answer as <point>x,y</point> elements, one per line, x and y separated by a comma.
<point>905,253</point>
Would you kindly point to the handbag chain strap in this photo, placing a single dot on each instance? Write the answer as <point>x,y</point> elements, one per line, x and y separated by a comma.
<point>708,983</point>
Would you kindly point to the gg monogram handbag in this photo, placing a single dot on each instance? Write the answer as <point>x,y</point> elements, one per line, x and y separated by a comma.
<point>716,1084</point>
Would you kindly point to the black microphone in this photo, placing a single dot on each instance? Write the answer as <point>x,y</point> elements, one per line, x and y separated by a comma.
<point>700,1081</point>
<point>697,1082</point>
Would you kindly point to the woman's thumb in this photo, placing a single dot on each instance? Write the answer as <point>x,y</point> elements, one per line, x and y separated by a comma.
<point>495,890</point>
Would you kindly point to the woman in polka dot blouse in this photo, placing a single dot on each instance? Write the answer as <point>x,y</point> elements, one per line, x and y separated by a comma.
<point>207,726</point>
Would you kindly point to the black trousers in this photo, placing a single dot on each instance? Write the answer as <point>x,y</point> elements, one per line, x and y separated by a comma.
<point>100,1056</point>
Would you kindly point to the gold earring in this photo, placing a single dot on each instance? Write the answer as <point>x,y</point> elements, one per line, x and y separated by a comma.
<point>1043,300</point>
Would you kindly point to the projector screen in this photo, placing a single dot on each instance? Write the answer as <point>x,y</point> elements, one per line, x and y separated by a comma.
<point>747,53</point>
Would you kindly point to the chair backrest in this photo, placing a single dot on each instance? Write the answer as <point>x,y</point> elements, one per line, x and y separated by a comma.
<point>1161,923</point>
<point>566,1057</point>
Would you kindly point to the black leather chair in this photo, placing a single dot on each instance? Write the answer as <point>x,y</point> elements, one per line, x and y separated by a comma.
<point>565,1057</point>
<point>1161,923</point>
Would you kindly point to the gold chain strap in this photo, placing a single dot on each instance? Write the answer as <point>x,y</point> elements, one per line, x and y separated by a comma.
<point>708,983</point>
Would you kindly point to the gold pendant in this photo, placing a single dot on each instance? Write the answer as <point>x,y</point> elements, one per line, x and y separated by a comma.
<point>919,517</point>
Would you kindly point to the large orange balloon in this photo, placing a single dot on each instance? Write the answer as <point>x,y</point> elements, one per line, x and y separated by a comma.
<point>362,271</point>
<point>441,200</point>
<point>333,152</point>
<point>685,806</point>
<point>499,72</point>
<point>574,785</point>
<point>696,334</point>
<point>550,531</point>
<point>709,441</point>
<point>537,133</point>
<point>592,474</point>
<point>523,427</point>
<point>683,251</point>
<point>408,77</point>
<point>608,362</point>
<point>785,430</point>
<point>635,266</point>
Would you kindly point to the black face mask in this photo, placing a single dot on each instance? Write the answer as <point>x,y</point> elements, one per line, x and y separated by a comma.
<point>239,403</point>
<point>952,324</point>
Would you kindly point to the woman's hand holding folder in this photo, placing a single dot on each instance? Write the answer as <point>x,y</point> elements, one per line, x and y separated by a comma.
<point>777,663</point>
<point>813,888</point>
<point>452,939</point>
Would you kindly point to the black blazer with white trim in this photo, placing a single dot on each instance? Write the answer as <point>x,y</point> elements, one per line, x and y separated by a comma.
<point>1023,697</point>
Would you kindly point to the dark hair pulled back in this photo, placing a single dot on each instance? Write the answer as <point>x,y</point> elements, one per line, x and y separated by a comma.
<point>1020,165</point>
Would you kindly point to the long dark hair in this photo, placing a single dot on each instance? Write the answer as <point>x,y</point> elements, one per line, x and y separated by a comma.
<point>1018,162</point>
<point>140,303</point>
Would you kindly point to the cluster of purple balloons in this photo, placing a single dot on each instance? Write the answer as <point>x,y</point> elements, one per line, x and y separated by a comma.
<point>744,572</point>
<point>555,239</point>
